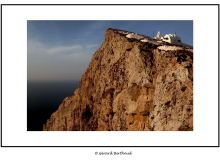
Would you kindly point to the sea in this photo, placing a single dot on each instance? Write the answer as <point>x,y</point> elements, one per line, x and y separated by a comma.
<point>44,98</point>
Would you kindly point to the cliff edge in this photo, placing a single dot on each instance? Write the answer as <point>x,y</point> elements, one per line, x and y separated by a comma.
<point>130,85</point>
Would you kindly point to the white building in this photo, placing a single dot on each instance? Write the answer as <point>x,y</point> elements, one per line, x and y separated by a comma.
<point>158,35</point>
<point>172,38</point>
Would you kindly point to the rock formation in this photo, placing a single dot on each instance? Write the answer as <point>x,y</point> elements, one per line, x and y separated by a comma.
<point>130,85</point>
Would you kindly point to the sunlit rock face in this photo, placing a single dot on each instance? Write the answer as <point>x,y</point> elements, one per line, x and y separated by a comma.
<point>130,86</point>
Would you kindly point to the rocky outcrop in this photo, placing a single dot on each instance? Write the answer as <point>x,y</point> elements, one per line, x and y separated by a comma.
<point>130,86</point>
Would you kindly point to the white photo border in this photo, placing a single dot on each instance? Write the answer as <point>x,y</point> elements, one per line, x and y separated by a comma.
<point>14,75</point>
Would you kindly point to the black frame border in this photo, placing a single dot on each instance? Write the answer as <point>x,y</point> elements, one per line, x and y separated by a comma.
<point>110,5</point>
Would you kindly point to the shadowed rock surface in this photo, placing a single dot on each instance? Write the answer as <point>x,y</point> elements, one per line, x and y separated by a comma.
<point>130,85</point>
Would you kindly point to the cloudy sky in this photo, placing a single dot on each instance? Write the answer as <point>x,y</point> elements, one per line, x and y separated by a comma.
<point>62,50</point>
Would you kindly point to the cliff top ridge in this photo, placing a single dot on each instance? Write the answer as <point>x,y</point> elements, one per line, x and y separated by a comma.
<point>146,39</point>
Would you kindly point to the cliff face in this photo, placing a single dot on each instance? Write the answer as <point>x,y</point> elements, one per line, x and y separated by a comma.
<point>130,86</point>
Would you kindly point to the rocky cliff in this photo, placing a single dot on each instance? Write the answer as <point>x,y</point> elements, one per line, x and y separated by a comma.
<point>130,85</point>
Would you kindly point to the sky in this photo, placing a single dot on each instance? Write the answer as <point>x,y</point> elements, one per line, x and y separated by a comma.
<point>62,50</point>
